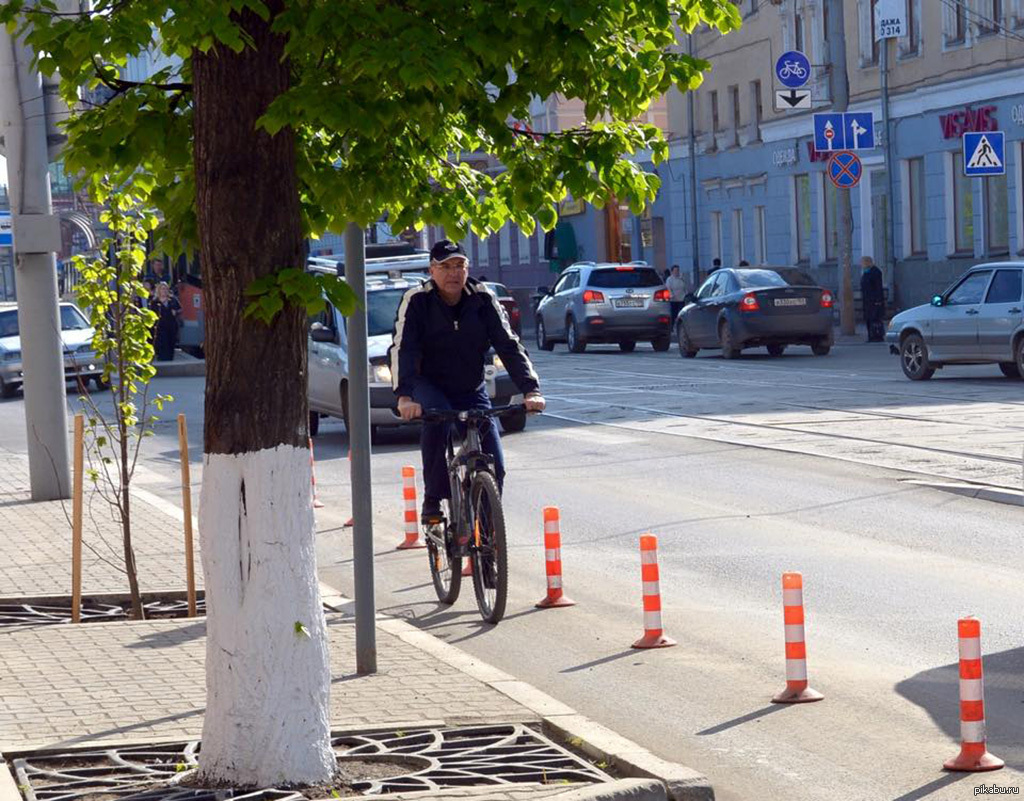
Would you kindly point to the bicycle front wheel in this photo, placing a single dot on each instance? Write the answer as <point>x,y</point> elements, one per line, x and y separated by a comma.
<point>488,553</point>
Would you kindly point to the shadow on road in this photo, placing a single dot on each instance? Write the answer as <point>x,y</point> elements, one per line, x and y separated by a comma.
<point>602,661</point>
<point>926,790</point>
<point>760,713</point>
<point>936,691</point>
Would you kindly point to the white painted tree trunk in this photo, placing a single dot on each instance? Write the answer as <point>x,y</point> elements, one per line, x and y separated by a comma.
<point>267,670</point>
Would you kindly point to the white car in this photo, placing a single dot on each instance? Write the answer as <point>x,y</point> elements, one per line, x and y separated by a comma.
<point>80,360</point>
<point>328,360</point>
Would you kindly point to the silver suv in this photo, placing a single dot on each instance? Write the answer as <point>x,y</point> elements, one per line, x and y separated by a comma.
<point>621,303</point>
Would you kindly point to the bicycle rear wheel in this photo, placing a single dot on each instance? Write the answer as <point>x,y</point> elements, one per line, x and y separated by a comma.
<point>445,569</point>
<point>488,553</point>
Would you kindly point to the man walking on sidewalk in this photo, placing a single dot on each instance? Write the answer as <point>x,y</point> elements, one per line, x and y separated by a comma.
<point>872,294</point>
<point>677,287</point>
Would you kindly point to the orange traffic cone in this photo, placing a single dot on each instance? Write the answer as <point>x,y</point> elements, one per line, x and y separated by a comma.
<point>974,755</point>
<point>553,562</point>
<point>797,691</point>
<point>654,635</point>
<point>412,526</point>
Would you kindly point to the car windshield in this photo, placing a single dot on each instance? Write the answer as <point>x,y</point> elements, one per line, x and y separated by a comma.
<point>382,309</point>
<point>499,289</point>
<point>623,278</point>
<point>71,319</point>
<point>755,278</point>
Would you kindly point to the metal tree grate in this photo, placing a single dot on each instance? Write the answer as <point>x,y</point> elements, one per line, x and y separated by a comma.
<point>15,614</point>
<point>438,759</point>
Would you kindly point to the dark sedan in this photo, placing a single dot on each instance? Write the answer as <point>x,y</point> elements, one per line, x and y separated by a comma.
<point>749,308</point>
<point>510,305</point>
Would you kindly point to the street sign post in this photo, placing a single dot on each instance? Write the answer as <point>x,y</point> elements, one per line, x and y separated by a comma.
<point>845,170</point>
<point>890,19</point>
<point>984,154</point>
<point>791,99</point>
<point>793,69</point>
<point>853,130</point>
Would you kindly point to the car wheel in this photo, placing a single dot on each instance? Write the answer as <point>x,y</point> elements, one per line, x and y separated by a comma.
<point>1010,369</point>
<point>776,350</point>
<point>314,424</point>
<point>7,390</point>
<point>914,358</point>
<point>576,343</point>
<point>1018,350</point>
<point>662,344</point>
<point>729,349</point>
<point>513,423</point>
<point>686,348</point>
<point>542,336</point>
<point>628,346</point>
<point>821,348</point>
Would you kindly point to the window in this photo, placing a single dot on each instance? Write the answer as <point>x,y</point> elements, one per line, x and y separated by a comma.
<point>989,16</point>
<point>963,206</point>
<point>1018,14</point>
<point>954,23</point>
<point>708,286</point>
<point>918,240</point>
<point>739,251</point>
<point>969,291</point>
<point>716,124</point>
<point>876,46</point>
<point>734,95</point>
<point>997,216</point>
<point>760,236</point>
<point>726,285</point>
<point>624,278</point>
<point>802,199</point>
<point>831,221</point>
<point>716,235</point>
<point>1006,287</point>
<point>910,44</point>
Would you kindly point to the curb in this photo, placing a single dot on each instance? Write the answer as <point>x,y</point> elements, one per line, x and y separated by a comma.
<point>983,492</point>
<point>8,785</point>
<point>619,790</point>
<point>558,720</point>
<point>180,368</point>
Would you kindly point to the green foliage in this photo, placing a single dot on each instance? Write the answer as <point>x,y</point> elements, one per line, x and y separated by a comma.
<point>388,102</point>
<point>301,630</point>
<point>291,285</point>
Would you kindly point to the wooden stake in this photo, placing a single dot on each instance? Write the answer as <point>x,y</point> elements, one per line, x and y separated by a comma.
<point>186,505</point>
<point>76,524</point>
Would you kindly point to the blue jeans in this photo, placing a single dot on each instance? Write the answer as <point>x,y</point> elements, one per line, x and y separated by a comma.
<point>435,436</point>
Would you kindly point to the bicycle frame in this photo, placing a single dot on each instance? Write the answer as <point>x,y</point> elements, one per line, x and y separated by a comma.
<point>468,455</point>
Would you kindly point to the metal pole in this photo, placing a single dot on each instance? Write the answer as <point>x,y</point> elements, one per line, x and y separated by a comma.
<point>359,454</point>
<point>844,215</point>
<point>694,231</point>
<point>36,237</point>
<point>890,165</point>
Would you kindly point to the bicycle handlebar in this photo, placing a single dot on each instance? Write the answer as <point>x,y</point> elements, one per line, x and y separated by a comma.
<point>450,415</point>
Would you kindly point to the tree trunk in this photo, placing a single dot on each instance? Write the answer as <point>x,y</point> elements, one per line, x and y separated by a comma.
<point>267,667</point>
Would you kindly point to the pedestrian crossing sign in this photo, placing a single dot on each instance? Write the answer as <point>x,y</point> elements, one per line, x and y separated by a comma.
<point>984,154</point>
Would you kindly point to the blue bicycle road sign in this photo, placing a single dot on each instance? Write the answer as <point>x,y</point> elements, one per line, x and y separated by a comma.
<point>793,69</point>
<point>845,170</point>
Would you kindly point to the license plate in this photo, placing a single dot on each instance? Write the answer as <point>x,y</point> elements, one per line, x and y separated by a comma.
<point>629,303</point>
<point>790,301</point>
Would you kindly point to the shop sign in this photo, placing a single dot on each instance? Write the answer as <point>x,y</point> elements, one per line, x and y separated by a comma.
<point>784,157</point>
<point>816,157</point>
<point>1017,114</point>
<point>957,123</point>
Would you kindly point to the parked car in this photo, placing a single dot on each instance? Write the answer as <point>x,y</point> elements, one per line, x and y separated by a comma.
<point>619,303</point>
<point>80,360</point>
<point>328,360</point>
<point>977,320</point>
<point>510,305</point>
<point>746,308</point>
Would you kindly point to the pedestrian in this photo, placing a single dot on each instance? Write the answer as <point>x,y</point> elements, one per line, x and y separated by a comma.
<point>744,263</point>
<point>872,295</point>
<point>677,287</point>
<point>716,264</point>
<point>168,316</point>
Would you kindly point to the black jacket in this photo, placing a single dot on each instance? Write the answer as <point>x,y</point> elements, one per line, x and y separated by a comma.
<point>872,293</point>
<point>446,345</point>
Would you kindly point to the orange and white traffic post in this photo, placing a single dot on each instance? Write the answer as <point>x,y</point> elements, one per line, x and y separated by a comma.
<point>553,561</point>
<point>797,691</point>
<point>974,755</point>
<point>312,472</point>
<point>412,525</point>
<point>654,634</point>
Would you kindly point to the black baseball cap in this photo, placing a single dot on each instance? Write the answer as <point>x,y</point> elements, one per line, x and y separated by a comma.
<point>445,249</point>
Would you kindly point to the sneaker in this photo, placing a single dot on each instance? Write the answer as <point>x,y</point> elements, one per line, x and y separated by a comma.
<point>431,512</point>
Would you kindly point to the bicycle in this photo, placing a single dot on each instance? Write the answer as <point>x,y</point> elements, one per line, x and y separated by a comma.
<point>474,522</point>
<point>792,68</point>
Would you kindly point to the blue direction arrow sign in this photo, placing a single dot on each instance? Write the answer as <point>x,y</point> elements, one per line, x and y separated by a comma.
<point>860,130</point>
<point>829,133</point>
<point>6,230</point>
<point>984,153</point>
<point>845,170</point>
<point>793,69</point>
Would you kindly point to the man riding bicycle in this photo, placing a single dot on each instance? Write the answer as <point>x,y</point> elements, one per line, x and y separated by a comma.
<point>443,331</point>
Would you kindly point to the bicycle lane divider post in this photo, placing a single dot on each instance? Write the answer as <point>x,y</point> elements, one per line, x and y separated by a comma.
<point>553,561</point>
<point>797,691</point>
<point>412,526</point>
<point>974,755</point>
<point>654,634</point>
